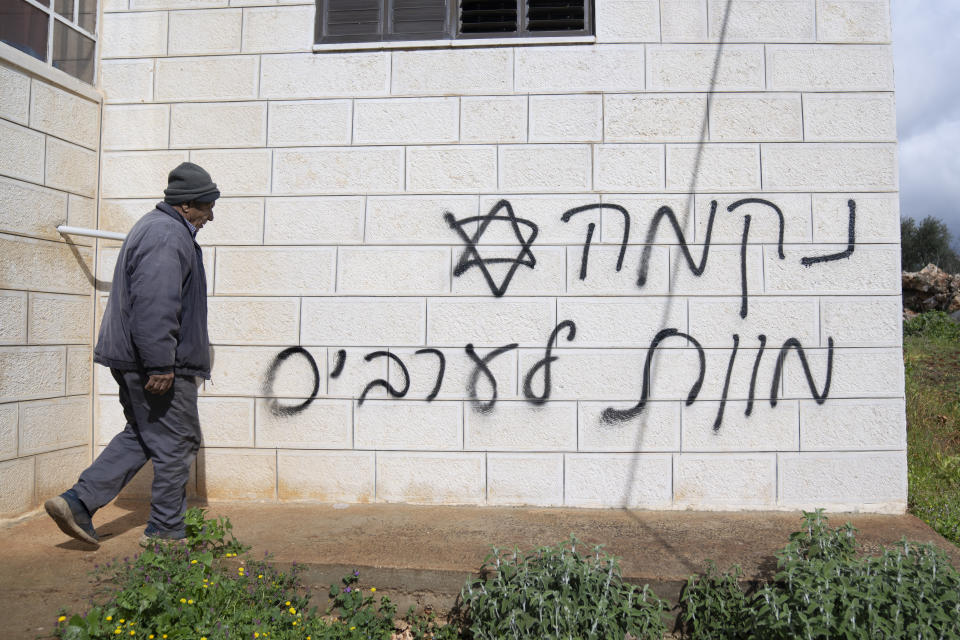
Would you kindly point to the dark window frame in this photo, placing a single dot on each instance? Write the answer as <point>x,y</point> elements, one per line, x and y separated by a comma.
<point>65,16</point>
<point>451,27</point>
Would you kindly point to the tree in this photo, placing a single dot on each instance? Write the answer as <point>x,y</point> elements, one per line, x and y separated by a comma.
<point>925,243</point>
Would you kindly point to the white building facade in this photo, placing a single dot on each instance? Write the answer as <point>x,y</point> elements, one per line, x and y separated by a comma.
<point>649,259</point>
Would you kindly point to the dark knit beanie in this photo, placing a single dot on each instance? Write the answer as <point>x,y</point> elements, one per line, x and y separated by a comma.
<point>190,182</point>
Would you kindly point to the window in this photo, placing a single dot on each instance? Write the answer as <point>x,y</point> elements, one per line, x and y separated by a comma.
<point>59,32</point>
<point>397,20</point>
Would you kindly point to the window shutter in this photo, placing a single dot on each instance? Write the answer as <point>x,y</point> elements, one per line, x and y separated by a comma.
<point>418,20</point>
<point>556,15</point>
<point>488,16</point>
<point>351,21</point>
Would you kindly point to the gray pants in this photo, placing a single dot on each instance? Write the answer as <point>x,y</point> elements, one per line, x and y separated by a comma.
<point>163,428</point>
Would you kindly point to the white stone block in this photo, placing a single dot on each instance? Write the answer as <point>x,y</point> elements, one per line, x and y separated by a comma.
<point>628,167</point>
<point>628,20</point>
<point>693,67</point>
<point>71,168</point>
<point>493,119</point>
<point>525,479</point>
<point>829,68</point>
<point>60,319</point>
<point>127,81</point>
<point>851,425</point>
<point>654,117</point>
<point>82,212</point>
<point>363,321</point>
<point>830,167</point>
<point>566,118</point>
<point>605,67</point>
<point>121,215</point>
<point>543,210</point>
<point>722,275</point>
<point>657,428</point>
<point>24,152</point>
<point>338,170</point>
<point>877,217</point>
<point>65,115</point>
<point>331,220</point>
<point>16,487</point>
<point>237,474</point>
<point>520,426</point>
<point>547,277</point>
<point>442,169</point>
<point>458,370</point>
<point>431,478</point>
<point>46,425</point>
<point>110,6</point>
<point>327,75</point>
<point>725,480</point>
<point>167,5</point>
<point>40,265</point>
<point>763,21</point>
<point>58,471</point>
<point>48,208</point>
<point>309,122</point>
<point>714,320</point>
<point>14,95</point>
<point>857,373</point>
<point>764,222</point>
<point>109,419</point>
<point>409,425</point>
<point>134,34</point>
<point>854,321</point>
<point>713,167</point>
<point>683,20</point>
<point>753,117</point>
<point>625,480</point>
<point>207,78</point>
<point>870,269</point>
<point>642,208</point>
<point>453,72</point>
<point>844,481</point>
<point>415,219</point>
<point>78,370</point>
<point>236,221</point>
<point>765,429</point>
<point>602,277</point>
<point>269,29</point>
<point>138,174</point>
<point>275,271</point>
<point>234,124</point>
<point>406,121</point>
<point>8,431</point>
<point>616,322</point>
<point>585,374</point>
<point>242,371</point>
<point>205,32</point>
<point>237,172</point>
<point>848,117</point>
<point>326,476</point>
<point>324,424</point>
<point>533,168</point>
<point>397,271</point>
<point>31,372</point>
<point>13,317</point>
<point>853,21</point>
<point>357,373</point>
<point>264,321</point>
<point>489,322</point>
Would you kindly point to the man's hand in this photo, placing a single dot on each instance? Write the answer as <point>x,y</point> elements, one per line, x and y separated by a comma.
<point>159,383</point>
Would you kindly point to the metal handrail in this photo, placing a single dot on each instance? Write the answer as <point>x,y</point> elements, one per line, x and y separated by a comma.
<point>93,233</point>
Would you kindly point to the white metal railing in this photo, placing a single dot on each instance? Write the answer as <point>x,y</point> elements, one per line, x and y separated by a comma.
<point>93,233</point>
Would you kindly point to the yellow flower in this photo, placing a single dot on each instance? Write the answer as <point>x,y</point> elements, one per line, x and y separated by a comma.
<point>287,603</point>
<point>118,632</point>
<point>260,576</point>
<point>193,562</point>
<point>352,628</point>
<point>292,610</point>
<point>122,620</point>
<point>373,589</point>
<point>164,636</point>
<point>203,637</point>
<point>109,618</point>
<point>189,601</point>
<point>183,601</point>
<point>150,637</point>
<point>256,634</point>
<point>61,618</point>
<point>204,586</point>
<point>132,632</point>
<point>294,623</point>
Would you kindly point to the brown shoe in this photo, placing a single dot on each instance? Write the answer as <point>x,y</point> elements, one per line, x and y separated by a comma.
<point>72,519</point>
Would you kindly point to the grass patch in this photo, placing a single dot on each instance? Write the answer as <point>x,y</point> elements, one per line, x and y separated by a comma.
<point>931,354</point>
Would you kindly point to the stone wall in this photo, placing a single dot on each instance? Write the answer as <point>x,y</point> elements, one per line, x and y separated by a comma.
<point>50,127</point>
<point>366,192</point>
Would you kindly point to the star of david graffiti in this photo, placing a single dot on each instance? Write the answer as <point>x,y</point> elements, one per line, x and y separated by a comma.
<point>471,254</point>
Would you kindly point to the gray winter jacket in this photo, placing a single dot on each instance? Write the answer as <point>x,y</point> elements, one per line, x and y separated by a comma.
<point>156,316</point>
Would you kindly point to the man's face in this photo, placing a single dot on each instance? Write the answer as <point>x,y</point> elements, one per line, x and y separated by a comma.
<point>198,213</point>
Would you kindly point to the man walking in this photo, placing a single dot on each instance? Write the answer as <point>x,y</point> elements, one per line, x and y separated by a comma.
<point>154,339</point>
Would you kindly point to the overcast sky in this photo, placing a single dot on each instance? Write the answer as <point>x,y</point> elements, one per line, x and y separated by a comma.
<point>926,48</point>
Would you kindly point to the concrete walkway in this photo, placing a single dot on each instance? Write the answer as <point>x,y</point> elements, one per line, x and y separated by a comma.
<point>415,554</point>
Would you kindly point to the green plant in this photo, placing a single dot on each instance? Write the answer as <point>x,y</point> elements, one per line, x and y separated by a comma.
<point>210,534</point>
<point>558,592</point>
<point>823,589</point>
<point>713,603</point>
<point>932,324</point>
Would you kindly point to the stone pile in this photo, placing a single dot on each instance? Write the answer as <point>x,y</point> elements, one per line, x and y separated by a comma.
<point>931,289</point>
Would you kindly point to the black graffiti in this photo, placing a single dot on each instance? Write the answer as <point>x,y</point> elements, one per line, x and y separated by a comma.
<point>567,215</point>
<point>380,382</point>
<point>851,239</point>
<point>544,363</point>
<point>340,362</point>
<point>753,376</point>
<point>480,366</point>
<point>440,371</point>
<point>471,254</point>
<point>743,243</point>
<point>726,384</point>
<point>285,410</point>
<point>611,415</point>
<point>667,212</point>
<point>793,343</point>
